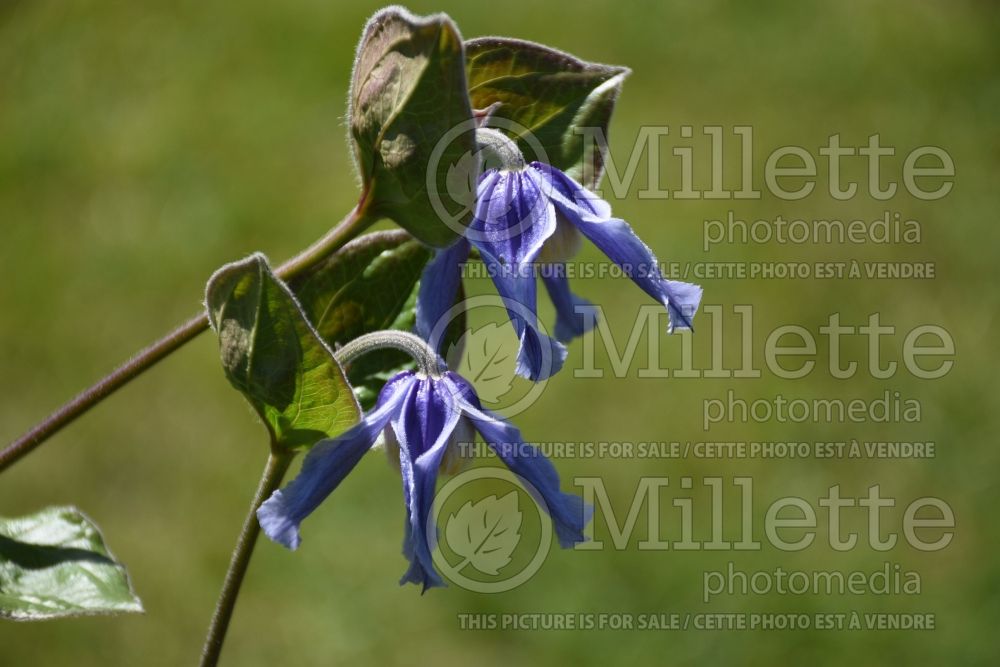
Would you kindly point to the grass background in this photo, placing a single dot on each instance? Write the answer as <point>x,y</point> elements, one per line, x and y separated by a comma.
<point>144,144</point>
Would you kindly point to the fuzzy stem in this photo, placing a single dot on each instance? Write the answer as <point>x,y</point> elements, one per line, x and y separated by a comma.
<point>277,466</point>
<point>428,361</point>
<point>353,224</point>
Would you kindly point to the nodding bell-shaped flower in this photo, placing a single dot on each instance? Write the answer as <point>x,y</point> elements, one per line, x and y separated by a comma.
<point>429,414</point>
<point>534,213</point>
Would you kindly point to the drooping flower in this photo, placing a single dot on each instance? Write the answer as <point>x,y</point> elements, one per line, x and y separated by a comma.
<point>428,416</point>
<point>534,213</point>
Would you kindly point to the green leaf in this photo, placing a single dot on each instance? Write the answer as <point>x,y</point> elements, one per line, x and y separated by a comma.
<point>369,285</point>
<point>368,374</point>
<point>411,121</point>
<point>273,355</point>
<point>362,287</point>
<point>549,94</point>
<point>485,533</point>
<point>55,564</point>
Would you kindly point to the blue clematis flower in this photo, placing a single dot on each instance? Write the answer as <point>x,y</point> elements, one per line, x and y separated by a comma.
<point>425,414</point>
<point>535,213</point>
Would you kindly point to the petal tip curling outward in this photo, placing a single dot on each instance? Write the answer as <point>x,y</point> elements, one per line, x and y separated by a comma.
<point>568,512</point>
<point>275,520</point>
<point>682,301</point>
<point>539,356</point>
<point>582,320</point>
<point>325,467</point>
<point>417,573</point>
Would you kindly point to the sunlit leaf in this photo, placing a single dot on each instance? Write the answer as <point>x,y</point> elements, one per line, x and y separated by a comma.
<point>369,285</point>
<point>55,564</point>
<point>552,95</point>
<point>411,121</point>
<point>274,356</point>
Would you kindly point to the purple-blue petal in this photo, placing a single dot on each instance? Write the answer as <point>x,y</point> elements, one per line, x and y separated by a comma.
<point>325,466</point>
<point>423,426</point>
<point>591,215</point>
<point>513,216</point>
<point>439,285</point>
<point>575,316</point>
<point>559,185</point>
<point>568,511</point>
<point>538,355</point>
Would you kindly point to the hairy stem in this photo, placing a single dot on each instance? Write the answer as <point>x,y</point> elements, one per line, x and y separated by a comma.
<point>274,472</point>
<point>353,224</point>
<point>427,360</point>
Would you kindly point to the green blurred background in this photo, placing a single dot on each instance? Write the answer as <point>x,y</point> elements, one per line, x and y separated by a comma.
<point>144,144</point>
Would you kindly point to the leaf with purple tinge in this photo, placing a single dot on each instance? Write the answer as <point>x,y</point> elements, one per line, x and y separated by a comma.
<point>551,94</point>
<point>408,92</point>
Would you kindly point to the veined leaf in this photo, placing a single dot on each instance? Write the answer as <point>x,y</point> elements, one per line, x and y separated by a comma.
<point>411,121</point>
<point>549,93</point>
<point>272,354</point>
<point>363,287</point>
<point>55,564</point>
<point>369,285</point>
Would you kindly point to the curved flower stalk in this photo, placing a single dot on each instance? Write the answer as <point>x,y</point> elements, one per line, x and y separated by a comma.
<point>427,413</point>
<point>529,213</point>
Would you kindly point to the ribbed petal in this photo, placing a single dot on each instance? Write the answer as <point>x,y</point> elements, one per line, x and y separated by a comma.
<point>559,185</point>
<point>326,465</point>
<point>569,513</point>
<point>423,427</point>
<point>538,356</point>
<point>513,216</point>
<point>512,221</point>
<point>439,285</point>
<point>574,315</point>
<point>592,216</point>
